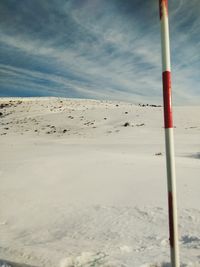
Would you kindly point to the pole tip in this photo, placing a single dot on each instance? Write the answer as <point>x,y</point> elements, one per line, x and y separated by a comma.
<point>163,5</point>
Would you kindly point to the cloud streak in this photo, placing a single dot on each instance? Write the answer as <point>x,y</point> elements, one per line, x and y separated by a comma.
<point>96,49</point>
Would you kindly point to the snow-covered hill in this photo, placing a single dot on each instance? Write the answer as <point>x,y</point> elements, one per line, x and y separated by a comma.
<point>83,183</point>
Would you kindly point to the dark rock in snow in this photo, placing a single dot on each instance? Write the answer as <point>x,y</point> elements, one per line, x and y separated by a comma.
<point>126,124</point>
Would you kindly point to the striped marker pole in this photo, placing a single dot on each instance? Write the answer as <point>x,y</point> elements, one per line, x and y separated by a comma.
<point>169,137</point>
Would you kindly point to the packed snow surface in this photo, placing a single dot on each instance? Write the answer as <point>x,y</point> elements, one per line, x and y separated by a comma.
<point>83,183</point>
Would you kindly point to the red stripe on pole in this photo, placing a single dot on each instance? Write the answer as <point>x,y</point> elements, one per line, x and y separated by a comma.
<point>167,99</point>
<point>162,4</point>
<point>171,221</point>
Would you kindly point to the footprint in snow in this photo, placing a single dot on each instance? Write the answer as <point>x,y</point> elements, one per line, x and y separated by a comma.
<point>86,259</point>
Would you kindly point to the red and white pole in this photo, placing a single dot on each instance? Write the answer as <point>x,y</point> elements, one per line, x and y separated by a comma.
<point>169,136</point>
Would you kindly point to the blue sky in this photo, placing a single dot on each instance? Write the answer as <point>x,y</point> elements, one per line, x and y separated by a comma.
<point>102,49</point>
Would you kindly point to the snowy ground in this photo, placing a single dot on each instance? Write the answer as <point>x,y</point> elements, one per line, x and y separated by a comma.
<point>78,188</point>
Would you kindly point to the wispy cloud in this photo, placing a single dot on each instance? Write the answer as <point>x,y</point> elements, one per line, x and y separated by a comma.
<point>96,49</point>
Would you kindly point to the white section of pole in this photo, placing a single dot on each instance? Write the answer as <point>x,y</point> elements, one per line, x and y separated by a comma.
<point>166,65</point>
<point>172,199</point>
